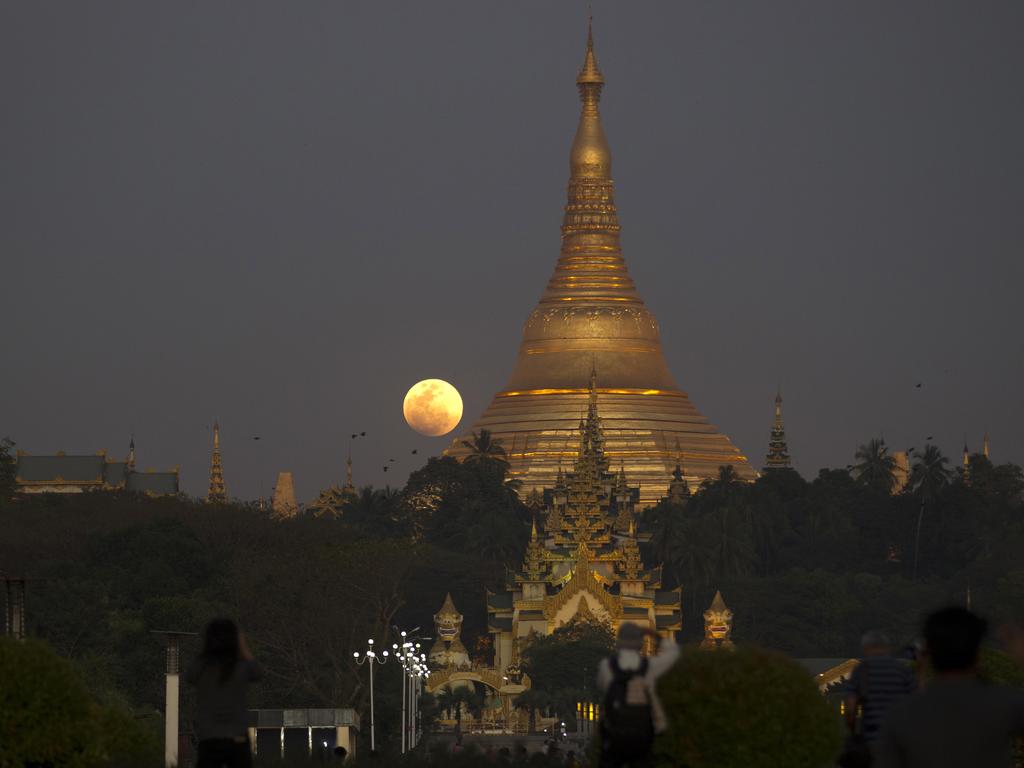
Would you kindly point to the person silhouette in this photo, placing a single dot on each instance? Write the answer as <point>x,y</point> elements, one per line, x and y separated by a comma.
<point>221,675</point>
<point>957,720</point>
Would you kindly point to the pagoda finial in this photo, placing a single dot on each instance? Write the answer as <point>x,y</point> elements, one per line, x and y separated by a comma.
<point>590,157</point>
<point>218,491</point>
<point>590,73</point>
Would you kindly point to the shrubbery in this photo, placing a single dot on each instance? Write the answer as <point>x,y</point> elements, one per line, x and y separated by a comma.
<point>47,717</point>
<point>748,707</point>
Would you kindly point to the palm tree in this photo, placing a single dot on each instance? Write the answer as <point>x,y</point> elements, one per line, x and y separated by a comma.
<point>453,701</point>
<point>875,467</point>
<point>727,474</point>
<point>928,476</point>
<point>484,446</point>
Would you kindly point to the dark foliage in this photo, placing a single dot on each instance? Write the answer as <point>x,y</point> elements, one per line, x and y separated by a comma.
<point>807,566</point>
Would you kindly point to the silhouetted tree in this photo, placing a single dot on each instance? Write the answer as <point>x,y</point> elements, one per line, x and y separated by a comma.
<point>875,468</point>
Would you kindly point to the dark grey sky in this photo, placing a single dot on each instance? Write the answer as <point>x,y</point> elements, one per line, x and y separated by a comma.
<point>284,214</point>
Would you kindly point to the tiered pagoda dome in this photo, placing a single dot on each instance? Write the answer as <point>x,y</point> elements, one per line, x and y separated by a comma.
<point>591,317</point>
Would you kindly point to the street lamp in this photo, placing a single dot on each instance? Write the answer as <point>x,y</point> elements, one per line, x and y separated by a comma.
<point>414,670</point>
<point>371,657</point>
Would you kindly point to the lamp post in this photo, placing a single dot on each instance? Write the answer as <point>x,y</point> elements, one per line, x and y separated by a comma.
<point>171,693</point>
<point>371,658</point>
<point>14,625</point>
<point>414,669</point>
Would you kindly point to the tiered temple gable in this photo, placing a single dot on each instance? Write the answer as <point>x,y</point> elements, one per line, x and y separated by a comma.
<point>584,561</point>
<point>332,500</point>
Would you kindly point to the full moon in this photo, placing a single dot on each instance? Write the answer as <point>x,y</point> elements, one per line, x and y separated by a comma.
<point>433,407</point>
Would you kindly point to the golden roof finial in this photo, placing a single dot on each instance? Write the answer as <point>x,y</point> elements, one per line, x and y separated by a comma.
<point>590,157</point>
<point>590,73</point>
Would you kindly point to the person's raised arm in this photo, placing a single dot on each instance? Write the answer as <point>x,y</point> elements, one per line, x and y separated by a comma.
<point>254,671</point>
<point>668,652</point>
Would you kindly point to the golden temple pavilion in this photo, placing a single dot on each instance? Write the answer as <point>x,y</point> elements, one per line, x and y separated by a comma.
<point>585,561</point>
<point>591,315</point>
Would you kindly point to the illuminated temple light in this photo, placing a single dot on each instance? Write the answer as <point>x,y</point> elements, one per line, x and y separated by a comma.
<point>600,391</point>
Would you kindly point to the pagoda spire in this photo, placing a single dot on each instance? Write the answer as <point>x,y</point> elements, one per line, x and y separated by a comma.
<point>349,488</point>
<point>778,450</point>
<point>218,492</point>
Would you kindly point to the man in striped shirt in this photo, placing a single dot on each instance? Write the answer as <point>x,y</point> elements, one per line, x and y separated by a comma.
<point>878,682</point>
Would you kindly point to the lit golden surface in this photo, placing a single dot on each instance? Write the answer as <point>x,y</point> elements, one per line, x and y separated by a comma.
<point>591,316</point>
<point>433,407</point>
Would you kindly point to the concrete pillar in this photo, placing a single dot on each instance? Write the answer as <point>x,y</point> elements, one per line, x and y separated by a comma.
<point>172,699</point>
<point>342,739</point>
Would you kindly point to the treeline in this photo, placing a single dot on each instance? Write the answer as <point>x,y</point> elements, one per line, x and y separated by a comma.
<point>106,569</point>
<point>806,566</point>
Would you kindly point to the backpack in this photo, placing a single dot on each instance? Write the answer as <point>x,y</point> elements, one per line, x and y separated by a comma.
<point>627,725</point>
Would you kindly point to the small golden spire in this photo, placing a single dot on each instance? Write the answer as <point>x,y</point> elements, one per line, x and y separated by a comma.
<point>218,491</point>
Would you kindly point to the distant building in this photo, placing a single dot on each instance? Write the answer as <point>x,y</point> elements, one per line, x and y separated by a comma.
<point>64,473</point>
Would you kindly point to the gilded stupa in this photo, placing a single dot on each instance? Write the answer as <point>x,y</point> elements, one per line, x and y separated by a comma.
<point>592,318</point>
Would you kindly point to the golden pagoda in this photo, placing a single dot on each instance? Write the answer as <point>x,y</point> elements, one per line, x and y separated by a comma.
<point>591,316</point>
<point>586,564</point>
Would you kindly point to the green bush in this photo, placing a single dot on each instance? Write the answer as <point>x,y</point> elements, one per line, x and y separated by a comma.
<point>47,717</point>
<point>745,708</point>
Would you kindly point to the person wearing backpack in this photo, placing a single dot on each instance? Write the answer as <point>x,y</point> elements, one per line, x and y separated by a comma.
<point>632,714</point>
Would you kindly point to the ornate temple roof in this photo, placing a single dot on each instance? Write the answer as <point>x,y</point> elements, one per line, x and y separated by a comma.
<point>590,525</point>
<point>591,315</point>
